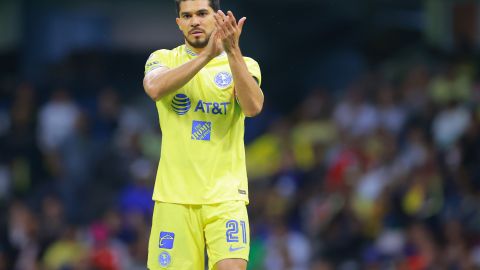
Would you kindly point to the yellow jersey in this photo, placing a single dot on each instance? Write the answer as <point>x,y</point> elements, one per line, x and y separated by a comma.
<point>202,159</point>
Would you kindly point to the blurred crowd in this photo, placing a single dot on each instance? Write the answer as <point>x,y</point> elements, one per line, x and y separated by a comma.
<point>382,175</point>
<point>385,175</point>
<point>76,180</point>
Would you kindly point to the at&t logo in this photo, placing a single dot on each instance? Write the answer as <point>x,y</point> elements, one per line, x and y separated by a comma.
<point>181,104</point>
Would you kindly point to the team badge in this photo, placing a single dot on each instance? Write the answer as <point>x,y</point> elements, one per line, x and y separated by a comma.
<point>181,104</point>
<point>164,259</point>
<point>223,79</point>
<point>166,240</point>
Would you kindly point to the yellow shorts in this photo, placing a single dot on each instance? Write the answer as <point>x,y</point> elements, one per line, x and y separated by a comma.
<point>181,233</point>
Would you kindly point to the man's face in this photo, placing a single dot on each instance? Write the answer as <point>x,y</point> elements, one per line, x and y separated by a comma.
<point>196,21</point>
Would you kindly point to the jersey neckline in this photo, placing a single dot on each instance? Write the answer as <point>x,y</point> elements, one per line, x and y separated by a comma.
<point>192,53</point>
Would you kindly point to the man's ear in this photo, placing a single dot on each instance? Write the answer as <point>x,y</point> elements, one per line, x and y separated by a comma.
<point>177,20</point>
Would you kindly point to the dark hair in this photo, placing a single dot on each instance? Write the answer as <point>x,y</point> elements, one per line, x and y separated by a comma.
<point>214,4</point>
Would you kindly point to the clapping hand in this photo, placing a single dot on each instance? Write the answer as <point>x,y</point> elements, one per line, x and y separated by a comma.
<point>228,30</point>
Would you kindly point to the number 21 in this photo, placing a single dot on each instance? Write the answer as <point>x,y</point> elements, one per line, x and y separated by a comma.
<point>232,231</point>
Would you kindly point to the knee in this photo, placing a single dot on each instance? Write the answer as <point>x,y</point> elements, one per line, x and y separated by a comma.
<point>231,264</point>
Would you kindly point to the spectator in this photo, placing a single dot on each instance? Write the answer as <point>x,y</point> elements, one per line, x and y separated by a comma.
<point>286,249</point>
<point>56,120</point>
<point>355,115</point>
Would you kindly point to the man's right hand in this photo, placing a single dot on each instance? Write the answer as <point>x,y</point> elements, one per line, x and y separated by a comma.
<point>214,47</point>
<point>162,81</point>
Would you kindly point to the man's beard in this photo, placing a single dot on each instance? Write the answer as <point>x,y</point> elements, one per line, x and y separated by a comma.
<point>198,44</point>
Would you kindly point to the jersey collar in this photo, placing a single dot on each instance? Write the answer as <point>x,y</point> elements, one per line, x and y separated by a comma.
<point>192,53</point>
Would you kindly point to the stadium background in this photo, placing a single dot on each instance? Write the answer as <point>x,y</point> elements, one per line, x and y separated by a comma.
<point>366,156</point>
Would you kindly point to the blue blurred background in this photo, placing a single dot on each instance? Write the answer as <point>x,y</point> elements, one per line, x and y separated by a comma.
<point>366,156</point>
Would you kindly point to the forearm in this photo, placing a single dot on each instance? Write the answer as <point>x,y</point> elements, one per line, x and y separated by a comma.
<point>248,91</point>
<point>159,84</point>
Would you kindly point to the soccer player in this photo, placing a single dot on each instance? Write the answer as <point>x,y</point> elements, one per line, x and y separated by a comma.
<point>203,91</point>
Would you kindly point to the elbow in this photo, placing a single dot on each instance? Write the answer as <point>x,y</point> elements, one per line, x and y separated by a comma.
<point>254,111</point>
<point>152,91</point>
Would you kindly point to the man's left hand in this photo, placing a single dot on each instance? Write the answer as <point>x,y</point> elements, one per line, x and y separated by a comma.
<point>229,30</point>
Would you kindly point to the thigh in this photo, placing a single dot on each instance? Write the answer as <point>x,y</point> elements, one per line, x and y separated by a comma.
<point>227,231</point>
<point>231,264</point>
<point>176,239</point>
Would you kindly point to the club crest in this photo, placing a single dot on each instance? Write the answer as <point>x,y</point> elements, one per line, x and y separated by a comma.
<point>164,259</point>
<point>223,79</point>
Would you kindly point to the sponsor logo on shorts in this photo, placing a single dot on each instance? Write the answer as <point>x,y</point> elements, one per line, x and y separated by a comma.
<point>164,259</point>
<point>223,79</point>
<point>241,191</point>
<point>233,249</point>
<point>166,240</point>
<point>201,130</point>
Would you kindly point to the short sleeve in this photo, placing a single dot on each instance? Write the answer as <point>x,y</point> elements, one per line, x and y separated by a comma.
<point>156,60</point>
<point>254,69</point>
